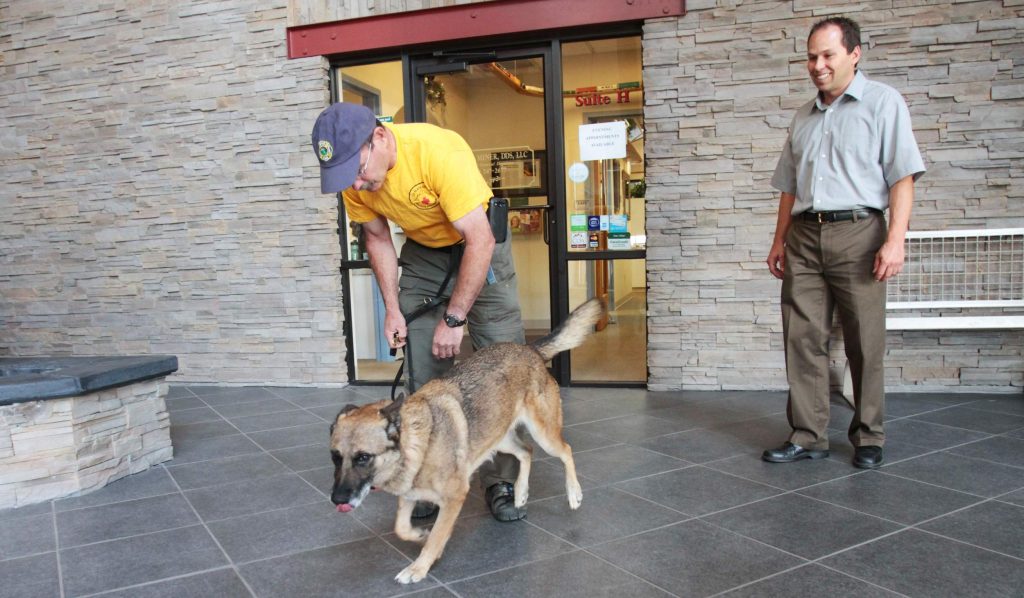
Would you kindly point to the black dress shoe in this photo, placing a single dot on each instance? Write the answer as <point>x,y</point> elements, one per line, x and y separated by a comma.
<point>789,452</point>
<point>423,509</point>
<point>867,457</point>
<point>501,499</point>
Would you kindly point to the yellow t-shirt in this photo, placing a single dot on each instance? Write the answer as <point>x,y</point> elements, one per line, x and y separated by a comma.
<point>434,182</point>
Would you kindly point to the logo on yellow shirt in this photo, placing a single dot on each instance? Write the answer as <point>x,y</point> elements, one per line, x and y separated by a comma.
<point>422,198</point>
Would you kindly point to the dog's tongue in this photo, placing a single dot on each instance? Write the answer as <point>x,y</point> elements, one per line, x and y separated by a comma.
<point>344,508</point>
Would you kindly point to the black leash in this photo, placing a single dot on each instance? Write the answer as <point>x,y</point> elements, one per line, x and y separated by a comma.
<point>454,257</point>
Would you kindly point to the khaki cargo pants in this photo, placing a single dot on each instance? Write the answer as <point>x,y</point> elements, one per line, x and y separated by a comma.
<point>495,317</point>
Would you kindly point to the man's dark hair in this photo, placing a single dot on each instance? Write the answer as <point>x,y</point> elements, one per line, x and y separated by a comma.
<point>849,27</point>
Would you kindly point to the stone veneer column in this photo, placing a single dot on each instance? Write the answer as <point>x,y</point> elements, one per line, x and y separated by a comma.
<point>58,447</point>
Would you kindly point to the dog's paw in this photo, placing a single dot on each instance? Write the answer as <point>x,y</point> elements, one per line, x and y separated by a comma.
<point>575,495</point>
<point>413,573</point>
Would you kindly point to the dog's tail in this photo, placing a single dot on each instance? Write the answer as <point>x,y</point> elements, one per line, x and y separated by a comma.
<point>572,332</point>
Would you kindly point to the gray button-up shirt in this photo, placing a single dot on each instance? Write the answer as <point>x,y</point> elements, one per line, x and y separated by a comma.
<point>846,155</point>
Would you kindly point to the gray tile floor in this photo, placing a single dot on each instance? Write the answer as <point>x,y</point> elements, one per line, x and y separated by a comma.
<point>676,503</point>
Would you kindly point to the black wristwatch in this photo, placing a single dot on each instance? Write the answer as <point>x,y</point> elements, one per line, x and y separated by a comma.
<point>453,321</point>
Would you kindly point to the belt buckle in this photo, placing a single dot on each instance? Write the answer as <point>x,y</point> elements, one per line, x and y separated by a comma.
<point>821,217</point>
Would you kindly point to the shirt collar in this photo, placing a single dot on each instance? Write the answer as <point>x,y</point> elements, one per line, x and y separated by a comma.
<point>855,90</point>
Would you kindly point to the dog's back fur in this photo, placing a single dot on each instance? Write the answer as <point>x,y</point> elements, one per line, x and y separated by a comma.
<point>427,446</point>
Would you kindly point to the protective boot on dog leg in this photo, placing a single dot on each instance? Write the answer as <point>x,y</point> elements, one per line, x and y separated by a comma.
<point>423,509</point>
<point>496,478</point>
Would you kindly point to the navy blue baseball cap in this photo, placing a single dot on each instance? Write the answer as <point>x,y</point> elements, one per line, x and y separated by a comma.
<point>340,132</point>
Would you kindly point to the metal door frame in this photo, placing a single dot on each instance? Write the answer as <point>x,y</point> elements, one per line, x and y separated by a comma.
<point>553,126</point>
<point>549,47</point>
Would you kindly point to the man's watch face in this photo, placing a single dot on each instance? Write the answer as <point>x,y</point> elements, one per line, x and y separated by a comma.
<point>453,321</point>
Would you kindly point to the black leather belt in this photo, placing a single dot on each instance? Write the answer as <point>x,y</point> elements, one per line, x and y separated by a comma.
<point>838,215</point>
<point>444,249</point>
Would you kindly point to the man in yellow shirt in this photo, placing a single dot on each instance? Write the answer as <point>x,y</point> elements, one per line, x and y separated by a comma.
<point>425,180</point>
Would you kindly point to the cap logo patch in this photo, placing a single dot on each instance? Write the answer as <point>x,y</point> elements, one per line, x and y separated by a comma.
<point>325,150</point>
<point>422,198</point>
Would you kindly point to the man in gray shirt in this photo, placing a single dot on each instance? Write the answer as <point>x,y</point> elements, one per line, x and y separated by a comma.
<point>850,155</point>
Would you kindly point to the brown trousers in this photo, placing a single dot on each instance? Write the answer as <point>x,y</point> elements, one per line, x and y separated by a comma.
<point>828,266</point>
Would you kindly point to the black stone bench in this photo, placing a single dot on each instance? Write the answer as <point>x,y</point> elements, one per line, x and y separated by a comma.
<point>69,425</point>
<point>38,378</point>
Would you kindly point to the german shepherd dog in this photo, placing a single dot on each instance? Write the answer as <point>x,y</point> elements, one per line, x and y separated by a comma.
<point>426,447</point>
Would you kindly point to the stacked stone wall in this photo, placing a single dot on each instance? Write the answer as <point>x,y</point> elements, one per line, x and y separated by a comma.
<point>159,194</point>
<point>721,86</point>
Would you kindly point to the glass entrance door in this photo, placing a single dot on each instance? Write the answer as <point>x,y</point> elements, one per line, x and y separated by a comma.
<point>604,225</point>
<point>558,129</point>
<point>498,106</point>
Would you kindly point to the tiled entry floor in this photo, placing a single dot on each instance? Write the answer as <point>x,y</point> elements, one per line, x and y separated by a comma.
<point>676,502</point>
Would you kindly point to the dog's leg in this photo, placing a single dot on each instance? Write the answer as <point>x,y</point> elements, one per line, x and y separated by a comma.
<point>443,526</point>
<point>513,445</point>
<point>544,421</point>
<point>403,523</point>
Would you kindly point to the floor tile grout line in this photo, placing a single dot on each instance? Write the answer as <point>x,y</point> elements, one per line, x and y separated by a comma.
<point>629,573</point>
<point>133,536</point>
<point>158,581</point>
<point>781,488</point>
<point>56,550</point>
<point>118,502</point>
<point>575,548</point>
<point>213,537</point>
<point>687,519</point>
<point>885,469</point>
<point>755,540</point>
<point>902,529</point>
<point>273,399</point>
<point>927,411</point>
<point>643,498</point>
<point>993,412</point>
<point>861,579</point>
<point>261,449</point>
<point>228,421</point>
<point>26,556</point>
<point>263,559</point>
<point>859,512</point>
<point>800,566</point>
<point>975,496</point>
<point>916,418</point>
<point>274,510</point>
<point>980,458</point>
<point>972,545</point>
<point>1001,497</point>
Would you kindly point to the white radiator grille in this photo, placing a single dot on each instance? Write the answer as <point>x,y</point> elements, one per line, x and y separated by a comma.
<point>967,268</point>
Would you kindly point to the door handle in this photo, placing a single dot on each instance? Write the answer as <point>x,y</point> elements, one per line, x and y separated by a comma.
<point>544,225</point>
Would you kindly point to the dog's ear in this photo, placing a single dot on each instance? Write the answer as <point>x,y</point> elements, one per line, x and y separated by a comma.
<point>393,414</point>
<point>344,410</point>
